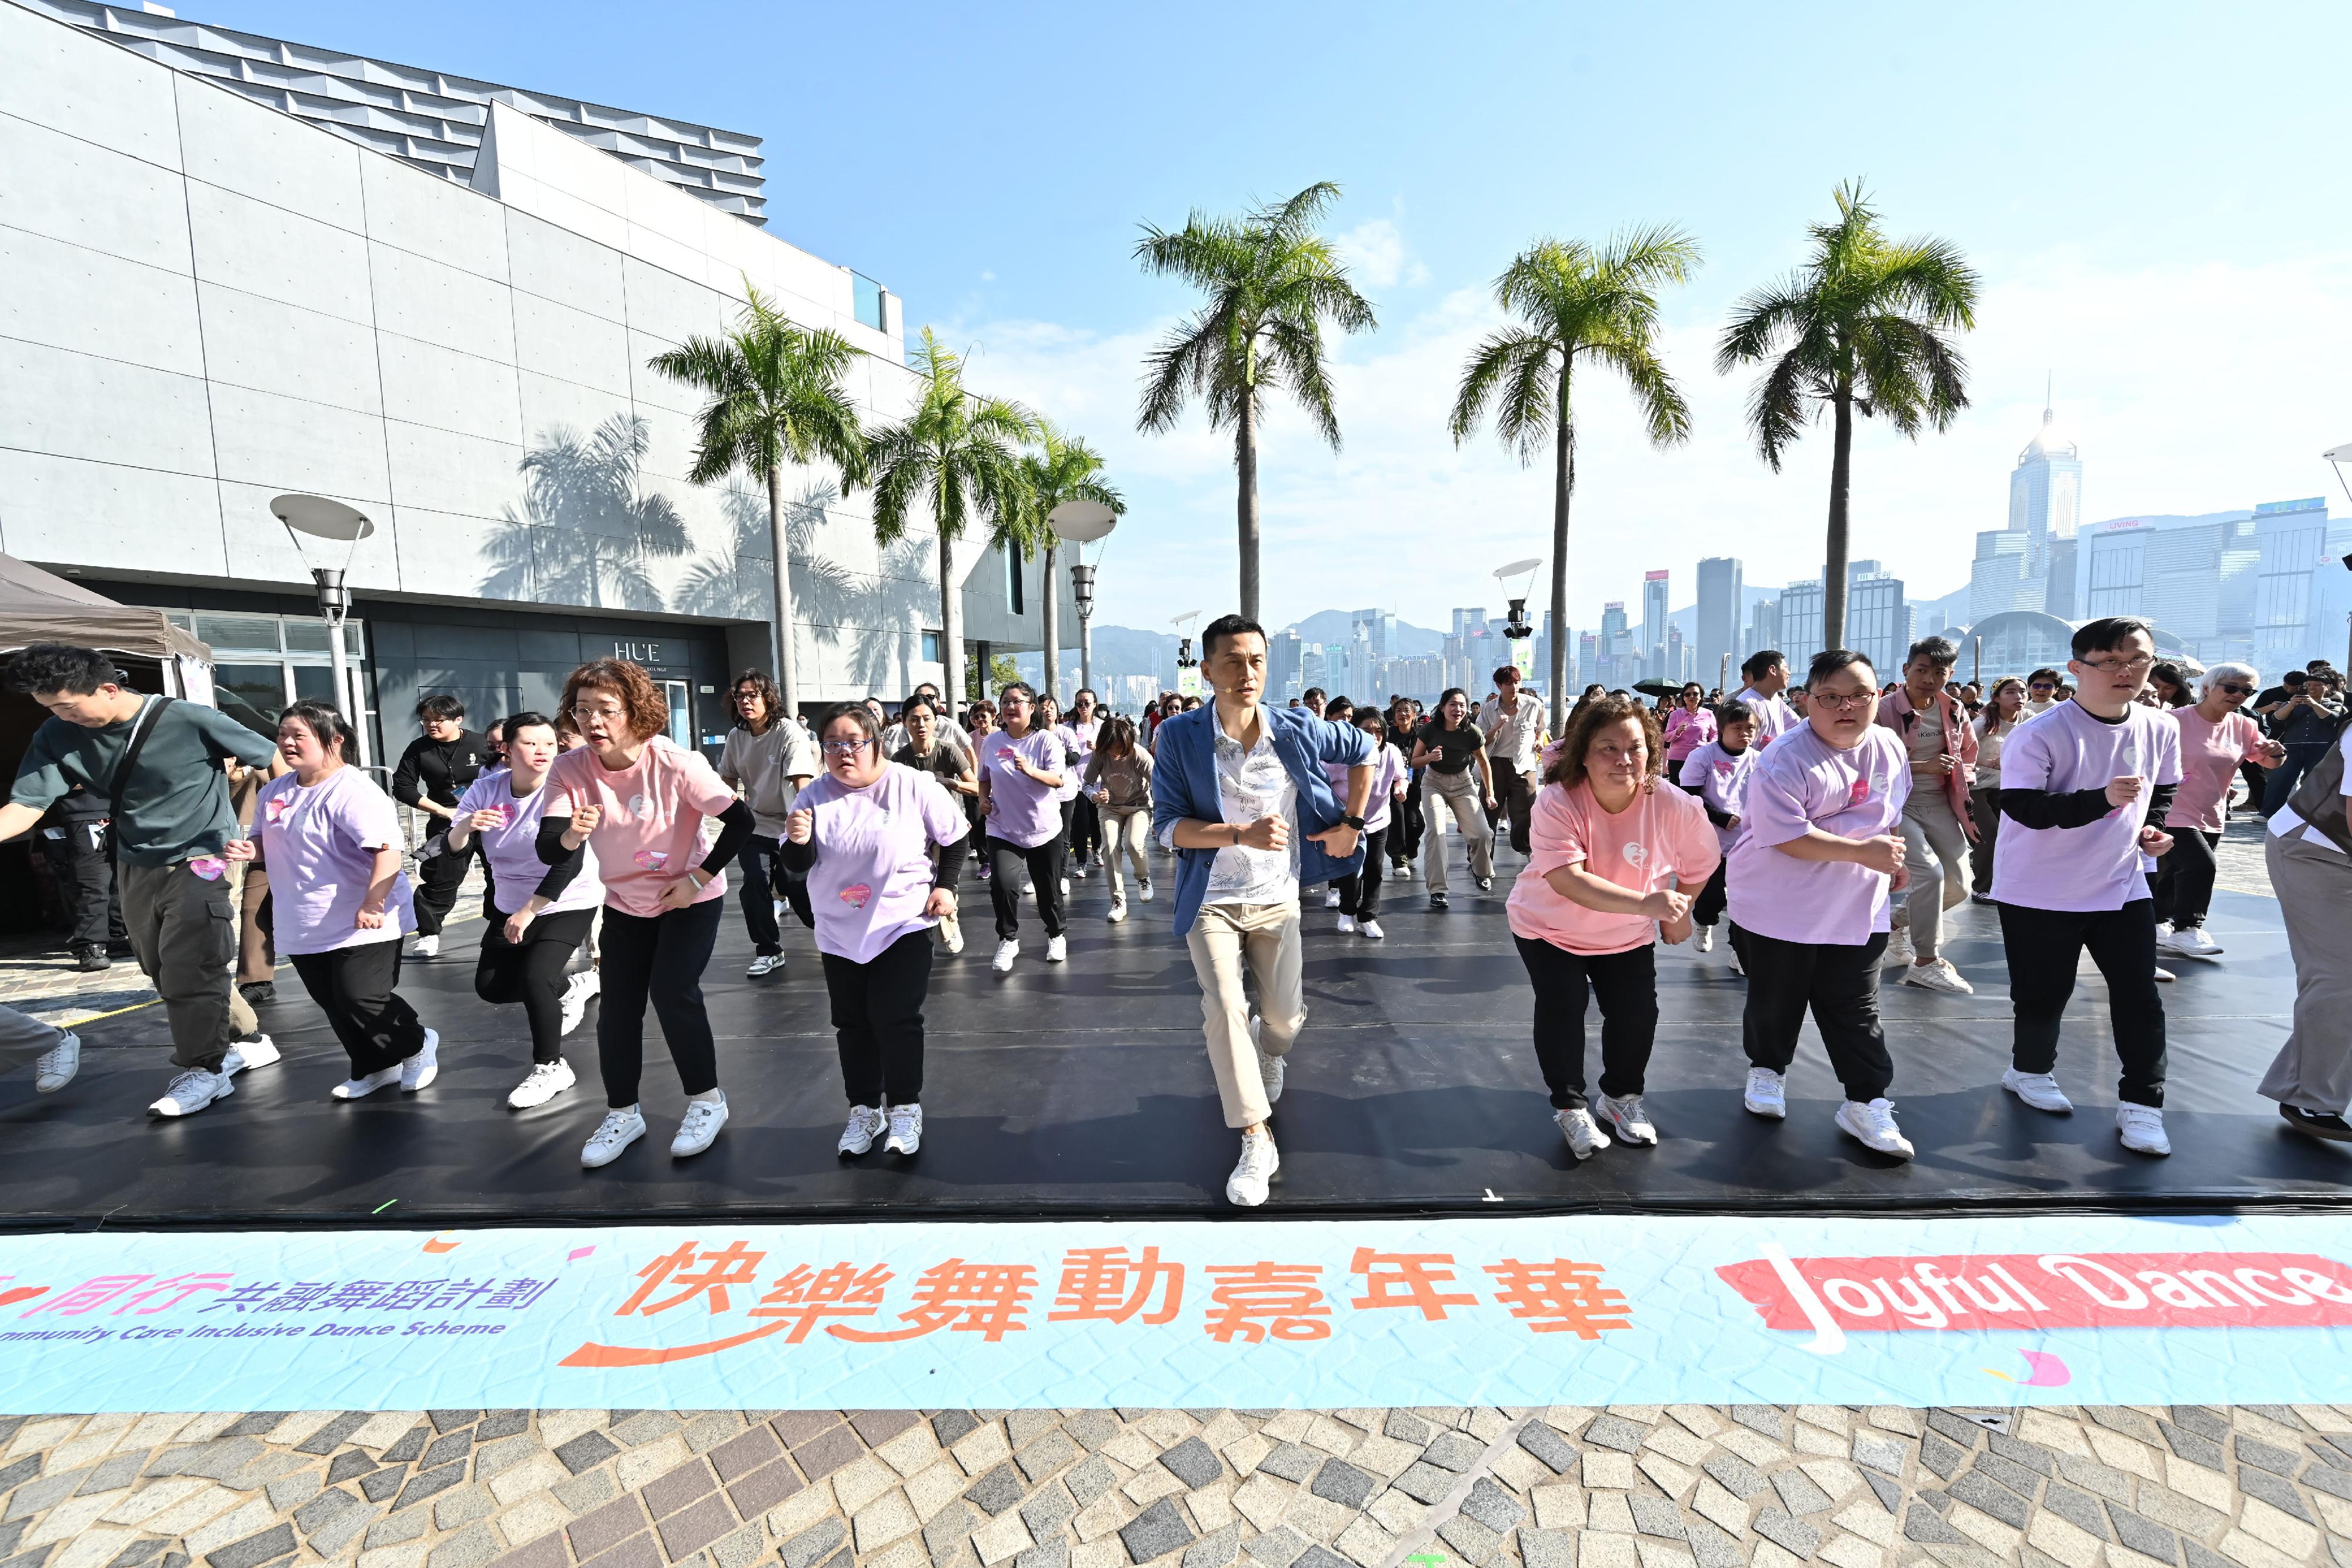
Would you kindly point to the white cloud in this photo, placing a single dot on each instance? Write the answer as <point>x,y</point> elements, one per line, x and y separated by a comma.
<point>1376,256</point>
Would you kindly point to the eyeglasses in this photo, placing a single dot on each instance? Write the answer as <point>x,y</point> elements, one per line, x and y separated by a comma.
<point>2235,691</point>
<point>2138,666</point>
<point>2044,687</point>
<point>845,748</point>
<point>1826,699</point>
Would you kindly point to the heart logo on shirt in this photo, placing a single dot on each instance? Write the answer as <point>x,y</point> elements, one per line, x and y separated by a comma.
<point>1636,854</point>
<point>651,860</point>
<point>856,896</point>
<point>1723,767</point>
<point>278,808</point>
<point>640,808</point>
<point>1859,793</point>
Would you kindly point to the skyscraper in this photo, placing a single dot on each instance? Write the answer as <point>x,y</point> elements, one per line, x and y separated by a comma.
<point>2045,493</point>
<point>1466,622</point>
<point>1656,589</point>
<point>1282,667</point>
<point>1721,588</point>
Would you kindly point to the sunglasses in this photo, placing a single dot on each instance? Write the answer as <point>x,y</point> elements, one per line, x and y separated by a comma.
<point>2044,687</point>
<point>2235,690</point>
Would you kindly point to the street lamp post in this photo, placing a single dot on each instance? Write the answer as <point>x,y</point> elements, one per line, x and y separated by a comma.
<point>318,517</point>
<point>1078,524</point>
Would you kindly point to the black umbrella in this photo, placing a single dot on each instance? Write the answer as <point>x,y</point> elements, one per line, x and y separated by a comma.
<point>1658,688</point>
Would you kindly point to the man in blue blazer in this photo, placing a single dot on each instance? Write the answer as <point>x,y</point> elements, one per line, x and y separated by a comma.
<point>1240,792</point>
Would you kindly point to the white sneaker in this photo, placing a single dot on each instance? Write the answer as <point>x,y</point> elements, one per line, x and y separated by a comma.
<point>1767,1093</point>
<point>1118,910</point>
<point>906,1130</point>
<point>547,1079</point>
<point>1271,1070</point>
<point>191,1092</point>
<point>951,931</point>
<point>1078,870</point>
<point>1006,951</point>
<point>1370,929</point>
<point>2038,1090</point>
<point>2166,975</point>
<point>58,1065</point>
<point>260,1051</point>
<point>2141,1127</point>
<point>1028,888</point>
<point>616,1131</point>
<point>1875,1124</point>
<point>1704,941</point>
<point>764,964</point>
<point>1737,967</point>
<point>1632,1122</point>
<point>1144,893</point>
<point>703,1120</point>
<point>1332,898</point>
<point>1057,949</point>
<point>587,983</point>
<point>1066,890</point>
<point>423,1068</point>
<point>361,1088</point>
<point>425,948</point>
<point>1404,870</point>
<point>864,1126</point>
<point>575,1007</point>
<point>1937,975</point>
<point>1585,1138</point>
<point>2192,943</point>
<point>1246,1188</point>
<point>1898,949</point>
<point>1346,925</point>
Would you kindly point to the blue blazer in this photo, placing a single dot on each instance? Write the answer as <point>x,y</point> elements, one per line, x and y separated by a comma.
<point>1184,785</point>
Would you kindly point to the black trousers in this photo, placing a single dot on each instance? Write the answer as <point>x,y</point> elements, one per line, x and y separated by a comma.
<point>354,987</point>
<point>437,880</point>
<point>1043,864</point>
<point>877,1020</point>
<point>1627,986</point>
<point>1839,984</point>
<point>532,972</point>
<point>760,881</point>
<point>1360,895</point>
<point>1082,825</point>
<point>1710,907</point>
<point>1515,792</point>
<point>77,858</point>
<point>2183,883</point>
<point>1405,825</point>
<point>2044,944</point>
<point>657,958</point>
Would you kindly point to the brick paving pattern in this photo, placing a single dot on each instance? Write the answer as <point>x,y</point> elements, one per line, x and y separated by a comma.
<point>1565,1487</point>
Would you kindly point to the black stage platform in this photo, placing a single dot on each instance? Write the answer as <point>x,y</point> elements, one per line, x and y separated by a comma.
<point>1083,1090</point>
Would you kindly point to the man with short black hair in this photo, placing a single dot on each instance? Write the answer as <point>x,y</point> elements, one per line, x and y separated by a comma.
<point>1514,726</point>
<point>1942,748</point>
<point>1766,672</point>
<point>1311,699</point>
<point>766,759</point>
<point>433,773</point>
<point>157,763</point>
<point>2304,719</point>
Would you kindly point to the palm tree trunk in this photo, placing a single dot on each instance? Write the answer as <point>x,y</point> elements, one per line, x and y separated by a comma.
<point>1563,484</point>
<point>1246,462</point>
<point>951,625</point>
<point>1053,628</point>
<point>1834,571</point>
<point>780,543</point>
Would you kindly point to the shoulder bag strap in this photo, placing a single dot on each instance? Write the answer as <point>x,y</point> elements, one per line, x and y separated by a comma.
<point>141,728</point>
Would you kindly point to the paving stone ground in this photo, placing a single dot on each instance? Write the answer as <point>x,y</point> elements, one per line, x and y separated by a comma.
<point>1563,1487</point>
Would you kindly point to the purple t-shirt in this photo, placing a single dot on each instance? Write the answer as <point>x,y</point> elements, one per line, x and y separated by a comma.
<point>873,872</point>
<point>1387,772</point>
<point>320,845</point>
<point>1027,813</point>
<point>516,868</point>
<point>2068,749</point>
<point>1722,779</point>
<point>1804,782</point>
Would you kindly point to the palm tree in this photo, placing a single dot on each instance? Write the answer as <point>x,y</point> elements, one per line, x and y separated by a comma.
<point>589,529</point>
<point>1272,282</point>
<point>1574,302</point>
<point>774,395</point>
<point>962,452</point>
<point>1861,327</point>
<point>1063,468</point>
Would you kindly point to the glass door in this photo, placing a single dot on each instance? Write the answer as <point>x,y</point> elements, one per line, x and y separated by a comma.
<point>679,695</point>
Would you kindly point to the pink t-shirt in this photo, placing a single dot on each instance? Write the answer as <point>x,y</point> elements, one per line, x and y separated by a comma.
<point>1663,836</point>
<point>1387,772</point>
<point>2068,749</point>
<point>2209,755</point>
<point>320,845</point>
<point>1720,777</point>
<point>1802,783</point>
<point>512,847</point>
<point>1026,813</point>
<point>873,873</point>
<point>651,833</point>
<point>1687,731</point>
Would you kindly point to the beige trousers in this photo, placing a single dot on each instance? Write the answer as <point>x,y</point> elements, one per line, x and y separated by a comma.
<point>2313,1068</point>
<point>1265,936</point>
<point>1126,834</point>
<point>1458,792</point>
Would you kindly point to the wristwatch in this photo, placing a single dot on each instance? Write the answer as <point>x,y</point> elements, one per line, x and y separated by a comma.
<point>1355,822</point>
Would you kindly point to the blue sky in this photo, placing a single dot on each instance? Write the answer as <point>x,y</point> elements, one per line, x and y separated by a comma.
<point>2155,195</point>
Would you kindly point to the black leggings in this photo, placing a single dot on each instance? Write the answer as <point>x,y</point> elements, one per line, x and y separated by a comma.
<point>1359,894</point>
<point>1043,864</point>
<point>438,881</point>
<point>2044,945</point>
<point>1839,983</point>
<point>2183,883</point>
<point>1405,825</point>
<point>877,1020</point>
<point>354,987</point>
<point>532,972</point>
<point>659,958</point>
<point>759,886</point>
<point>1082,826</point>
<point>1710,907</point>
<point>1627,986</point>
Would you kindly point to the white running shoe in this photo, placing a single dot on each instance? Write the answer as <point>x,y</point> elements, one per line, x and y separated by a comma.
<point>1404,870</point>
<point>2166,975</point>
<point>1737,967</point>
<point>1626,1116</point>
<point>1585,1138</point>
<point>1704,941</point>
<point>1246,1188</point>
<point>2141,1127</point>
<point>1937,975</point>
<point>1346,925</point>
<point>1028,888</point>
<point>1332,898</point>
<point>1767,1093</point>
<point>864,1126</point>
<point>58,1065</point>
<point>616,1131</point>
<point>1057,949</point>
<point>258,1051</point>
<point>1144,893</point>
<point>951,929</point>
<point>423,1068</point>
<point>764,964</point>
<point>906,1130</point>
<point>425,948</point>
<point>575,1007</point>
<point>1370,929</point>
<point>1271,1070</point>
<point>1078,870</point>
<point>361,1087</point>
<point>1875,1124</point>
<point>2038,1090</point>
<point>587,983</point>
<point>2192,943</point>
<point>1066,890</point>
<point>191,1092</point>
<point>1898,949</point>
<point>703,1120</point>
<point>1118,910</point>
<point>1006,951</point>
<point>547,1079</point>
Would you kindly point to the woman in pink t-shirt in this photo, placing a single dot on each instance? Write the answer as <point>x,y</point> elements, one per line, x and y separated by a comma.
<point>1689,725</point>
<point>1595,897</point>
<point>641,800</point>
<point>2215,739</point>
